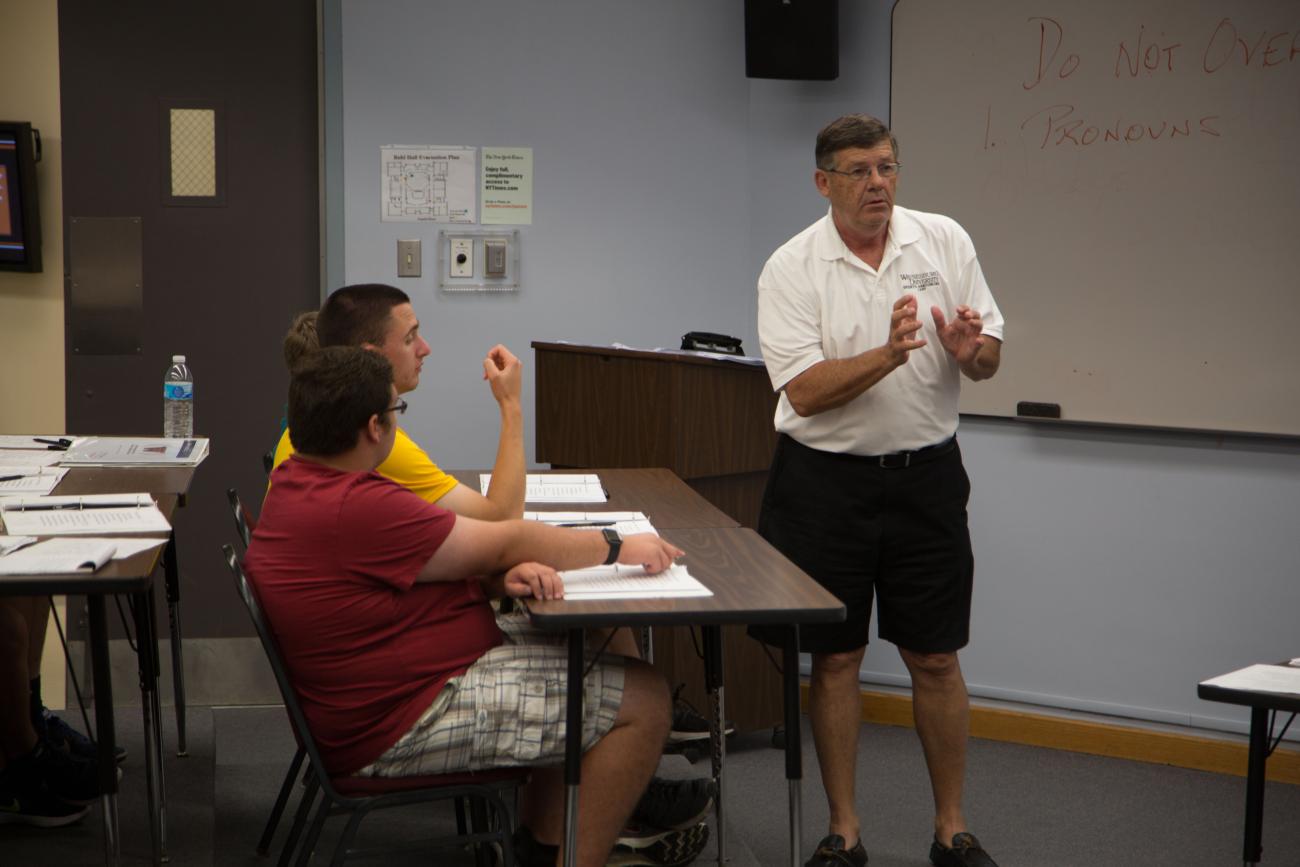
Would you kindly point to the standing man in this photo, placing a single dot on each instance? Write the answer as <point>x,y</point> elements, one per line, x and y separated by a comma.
<point>868,319</point>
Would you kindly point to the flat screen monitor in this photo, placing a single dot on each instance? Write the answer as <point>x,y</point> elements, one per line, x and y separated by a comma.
<point>20,213</point>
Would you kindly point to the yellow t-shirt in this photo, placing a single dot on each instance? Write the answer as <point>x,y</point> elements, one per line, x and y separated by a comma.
<point>407,464</point>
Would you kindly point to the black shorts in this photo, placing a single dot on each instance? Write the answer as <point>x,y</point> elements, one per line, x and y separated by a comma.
<point>859,528</point>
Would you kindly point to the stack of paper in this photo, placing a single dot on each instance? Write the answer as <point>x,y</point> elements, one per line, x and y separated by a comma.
<point>557,487</point>
<point>136,451</point>
<point>626,523</point>
<point>84,515</point>
<point>62,556</point>
<point>630,582</point>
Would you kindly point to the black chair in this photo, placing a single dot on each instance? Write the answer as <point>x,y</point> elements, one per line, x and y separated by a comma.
<point>357,796</point>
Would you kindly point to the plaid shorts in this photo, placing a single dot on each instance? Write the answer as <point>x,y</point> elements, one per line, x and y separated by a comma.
<point>507,709</point>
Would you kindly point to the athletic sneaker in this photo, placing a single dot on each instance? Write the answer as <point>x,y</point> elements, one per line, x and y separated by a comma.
<point>644,848</point>
<point>38,809</point>
<point>688,723</point>
<point>669,805</point>
<point>63,736</point>
<point>54,773</point>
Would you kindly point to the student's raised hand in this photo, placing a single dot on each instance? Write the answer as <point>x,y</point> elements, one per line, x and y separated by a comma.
<point>504,373</point>
<point>533,579</point>
<point>649,551</point>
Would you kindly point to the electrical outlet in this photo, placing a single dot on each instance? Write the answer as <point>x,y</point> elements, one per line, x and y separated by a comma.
<point>462,257</point>
<point>494,257</point>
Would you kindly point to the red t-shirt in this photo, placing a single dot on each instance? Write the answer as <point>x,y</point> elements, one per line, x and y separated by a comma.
<point>334,560</point>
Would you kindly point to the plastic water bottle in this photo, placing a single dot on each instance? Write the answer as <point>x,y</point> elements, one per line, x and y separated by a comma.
<point>178,399</point>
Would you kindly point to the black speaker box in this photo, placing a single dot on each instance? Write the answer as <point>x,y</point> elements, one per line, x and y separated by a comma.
<point>796,39</point>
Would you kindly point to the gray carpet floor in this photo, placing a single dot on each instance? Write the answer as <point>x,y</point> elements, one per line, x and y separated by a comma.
<point>1031,807</point>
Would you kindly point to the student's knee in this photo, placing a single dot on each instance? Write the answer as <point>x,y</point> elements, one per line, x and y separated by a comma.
<point>646,699</point>
<point>837,665</point>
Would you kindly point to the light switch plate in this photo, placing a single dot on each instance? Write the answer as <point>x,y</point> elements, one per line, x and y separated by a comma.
<point>408,258</point>
<point>462,257</point>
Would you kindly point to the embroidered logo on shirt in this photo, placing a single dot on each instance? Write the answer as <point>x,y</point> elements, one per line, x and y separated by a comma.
<point>920,282</point>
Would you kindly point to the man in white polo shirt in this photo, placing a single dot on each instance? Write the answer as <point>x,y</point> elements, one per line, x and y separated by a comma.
<point>868,319</point>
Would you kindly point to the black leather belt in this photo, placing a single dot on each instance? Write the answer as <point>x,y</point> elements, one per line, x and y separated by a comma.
<point>900,460</point>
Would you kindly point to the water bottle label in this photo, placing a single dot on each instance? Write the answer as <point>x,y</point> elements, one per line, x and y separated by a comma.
<point>178,391</point>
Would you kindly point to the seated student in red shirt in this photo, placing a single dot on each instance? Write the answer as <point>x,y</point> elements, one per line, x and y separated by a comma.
<point>379,602</point>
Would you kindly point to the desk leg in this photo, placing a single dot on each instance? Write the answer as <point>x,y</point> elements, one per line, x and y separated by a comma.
<point>171,568</point>
<point>717,724</point>
<point>1255,785</point>
<point>146,634</point>
<point>793,748</point>
<point>573,747</point>
<point>105,735</point>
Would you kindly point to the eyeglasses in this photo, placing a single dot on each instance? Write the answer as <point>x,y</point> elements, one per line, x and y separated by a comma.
<point>861,173</point>
<point>399,408</point>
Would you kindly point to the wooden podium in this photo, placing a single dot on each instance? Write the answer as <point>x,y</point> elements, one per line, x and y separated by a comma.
<point>710,422</point>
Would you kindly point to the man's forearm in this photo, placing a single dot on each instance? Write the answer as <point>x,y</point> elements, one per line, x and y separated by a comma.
<point>832,383</point>
<point>507,489</point>
<point>559,548</point>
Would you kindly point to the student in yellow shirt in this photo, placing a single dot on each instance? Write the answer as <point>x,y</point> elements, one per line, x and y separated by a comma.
<point>381,318</point>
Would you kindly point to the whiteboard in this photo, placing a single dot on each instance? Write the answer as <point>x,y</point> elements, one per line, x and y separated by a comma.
<point>1130,174</point>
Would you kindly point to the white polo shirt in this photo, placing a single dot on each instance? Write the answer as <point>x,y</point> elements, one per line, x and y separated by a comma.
<point>817,300</point>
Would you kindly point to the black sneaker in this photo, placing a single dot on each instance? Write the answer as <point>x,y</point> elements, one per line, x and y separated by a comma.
<point>59,734</point>
<point>52,772</point>
<point>670,805</point>
<point>36,808</point>
<point>831,853</point>
<point>965,851</point>
<point>530,853</point>
<point>688,723</point>
<point>641,847</point>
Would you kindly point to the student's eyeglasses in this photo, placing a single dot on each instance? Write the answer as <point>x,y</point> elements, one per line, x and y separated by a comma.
<point>399,408</point>
<point>858,174</point>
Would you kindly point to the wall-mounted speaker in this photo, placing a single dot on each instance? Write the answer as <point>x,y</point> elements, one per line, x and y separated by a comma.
<point>796,39</point>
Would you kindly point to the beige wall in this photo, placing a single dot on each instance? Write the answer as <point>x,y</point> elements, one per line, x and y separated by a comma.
<point>31,305</point>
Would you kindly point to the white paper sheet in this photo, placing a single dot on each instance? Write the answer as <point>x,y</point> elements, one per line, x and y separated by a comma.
<point>137,451</point>
<point>86,515</point>
<point>34,480</point>
<point>557,487</point>
<point>1261,678</point>
<point>630,582</point>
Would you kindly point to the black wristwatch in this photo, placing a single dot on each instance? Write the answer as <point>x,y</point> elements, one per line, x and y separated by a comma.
<point>615,541</point>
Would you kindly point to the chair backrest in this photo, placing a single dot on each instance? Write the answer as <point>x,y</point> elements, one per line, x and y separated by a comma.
<point>296,717</point>
<point>244,522</point>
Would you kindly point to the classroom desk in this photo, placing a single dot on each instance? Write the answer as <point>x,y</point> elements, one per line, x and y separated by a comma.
<point>132,576</point>
<point>157,481</point>
<point>1263,705</point>
<point>752,583</point>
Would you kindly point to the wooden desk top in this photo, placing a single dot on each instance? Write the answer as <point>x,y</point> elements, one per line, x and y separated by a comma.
<point>666,500</point>
<point>751,583</point>
<point>115,480</point>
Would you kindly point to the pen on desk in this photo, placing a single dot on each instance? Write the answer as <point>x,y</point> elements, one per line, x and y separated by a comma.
<point>12,478</point>
<point>60,444</point>
<point>588,524</point>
